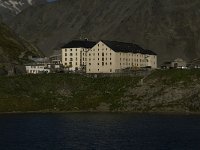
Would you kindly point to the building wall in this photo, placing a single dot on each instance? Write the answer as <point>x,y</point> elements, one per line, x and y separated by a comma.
<point>74,58</point>
<point>35,69</point>
<point>152,61</point>
<point>127,60</point>
<point>102,59</point>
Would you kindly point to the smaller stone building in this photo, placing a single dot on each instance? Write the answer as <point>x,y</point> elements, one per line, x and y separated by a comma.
<point>178,63</point>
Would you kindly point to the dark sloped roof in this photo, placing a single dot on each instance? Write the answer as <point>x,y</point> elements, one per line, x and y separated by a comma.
<point>79,44</point>
<point>127,47</point>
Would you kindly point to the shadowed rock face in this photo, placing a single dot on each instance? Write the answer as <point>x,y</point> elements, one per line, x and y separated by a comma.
<point>14,49</point>
<point>10,8</point>
<point>169,27</point>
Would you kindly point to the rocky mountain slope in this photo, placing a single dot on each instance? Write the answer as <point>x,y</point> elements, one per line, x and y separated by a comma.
<point>10,8</point>
<point>169,27</point>
<point>13,49</point>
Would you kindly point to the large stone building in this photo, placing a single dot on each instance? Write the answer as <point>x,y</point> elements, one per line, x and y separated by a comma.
<point>74,54</point>
<point>113,56</point>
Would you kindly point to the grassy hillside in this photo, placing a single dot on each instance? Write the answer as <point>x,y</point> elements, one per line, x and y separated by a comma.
<point>169,27</point>
<point>162,91</point>
<point>14,49</point>
<point>61,92</point>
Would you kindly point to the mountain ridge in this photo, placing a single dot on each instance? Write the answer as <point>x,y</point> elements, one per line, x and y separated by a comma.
<point>10,8</point>
<point>170,27</point>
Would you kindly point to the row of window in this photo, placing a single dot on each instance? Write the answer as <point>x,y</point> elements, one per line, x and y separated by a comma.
<point>71,54</point>
<point>71,59</point>
<point>75,50</point>
<point>103,59</point>
<point>102,54</point>
<point>136,60</point>
<point>102,64</point>
<point>71,64</point>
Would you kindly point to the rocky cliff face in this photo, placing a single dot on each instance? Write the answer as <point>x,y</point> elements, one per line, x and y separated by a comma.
<point>169,27</point>
<point>10,8</point>
<point>14,49</point>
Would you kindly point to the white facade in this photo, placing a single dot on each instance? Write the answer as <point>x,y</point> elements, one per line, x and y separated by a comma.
<point>74,54</point>
<point>36,69</point>
<point>74,58</point>
<point>103,59</point>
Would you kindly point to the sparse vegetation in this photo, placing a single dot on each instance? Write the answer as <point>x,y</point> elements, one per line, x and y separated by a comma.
<point>162,91</point>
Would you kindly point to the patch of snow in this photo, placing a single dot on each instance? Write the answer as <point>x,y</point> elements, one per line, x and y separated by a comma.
<point>30,2</point>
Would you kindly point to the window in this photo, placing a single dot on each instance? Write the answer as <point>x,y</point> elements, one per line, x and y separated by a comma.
<point>98,64</point>
<point>110,53</point>
<point>98,58</point>
<point>76,54</point>
<point>102,63</point>
<point>76,50</point>
<point>83,54</point>
<point>76,59</point>
<point>71,59</point>
<point>110,58</point>
<point>71,54</point>
<point>110,63</point>
<point>65,64</point>
<point>71,50</point>
<point>76,63</point>
<point>90,64</point>
<point>70,63</point>
<point>98,54</point>
<point>98,69</point>
<point>65,54</point>
<point>98,45</point>
<point>102,54</point>
<point>110,70</point>
<point>102,59</point>
<point>65,59</point>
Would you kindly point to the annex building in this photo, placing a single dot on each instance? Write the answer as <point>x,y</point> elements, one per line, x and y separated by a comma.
<point>113,56</point>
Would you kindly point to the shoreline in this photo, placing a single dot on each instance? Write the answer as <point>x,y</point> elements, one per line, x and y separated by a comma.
<point>101,112</point>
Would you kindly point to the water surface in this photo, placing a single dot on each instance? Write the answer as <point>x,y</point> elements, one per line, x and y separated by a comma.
<point>99,131</point>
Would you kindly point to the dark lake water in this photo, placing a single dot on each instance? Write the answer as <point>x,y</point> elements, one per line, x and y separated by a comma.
<point>99,131</point>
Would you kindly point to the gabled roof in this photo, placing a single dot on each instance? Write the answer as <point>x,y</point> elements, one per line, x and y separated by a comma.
<point>127,47</point>
<point>79,44</point>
